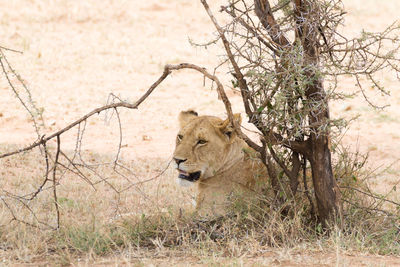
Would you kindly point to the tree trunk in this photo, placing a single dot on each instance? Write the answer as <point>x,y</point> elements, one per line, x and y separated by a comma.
<point>307,33</point>
<point>325,187</point>
<point>323,180</point>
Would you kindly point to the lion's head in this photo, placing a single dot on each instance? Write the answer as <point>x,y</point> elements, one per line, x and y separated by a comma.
<point>205,146</point>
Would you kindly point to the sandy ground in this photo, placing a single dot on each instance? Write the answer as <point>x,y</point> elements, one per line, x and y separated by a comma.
<point>75,53</point>
<point>268,258</point>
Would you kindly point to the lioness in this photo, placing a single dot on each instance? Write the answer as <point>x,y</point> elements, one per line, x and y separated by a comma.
<point>209,153</point>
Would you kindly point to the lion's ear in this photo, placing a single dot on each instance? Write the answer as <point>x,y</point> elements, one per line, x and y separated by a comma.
<point>227,128</point>
<point>186,116</point>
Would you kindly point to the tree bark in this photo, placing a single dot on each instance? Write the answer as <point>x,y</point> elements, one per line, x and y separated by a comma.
<point>325,187</point>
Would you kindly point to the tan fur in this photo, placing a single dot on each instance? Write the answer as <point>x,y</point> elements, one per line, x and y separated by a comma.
<point>228,166</point>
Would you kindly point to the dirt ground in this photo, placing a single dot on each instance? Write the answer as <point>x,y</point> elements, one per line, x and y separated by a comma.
<point>75,53</point>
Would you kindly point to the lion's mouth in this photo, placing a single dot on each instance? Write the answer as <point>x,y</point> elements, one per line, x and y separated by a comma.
<point>192,177</point>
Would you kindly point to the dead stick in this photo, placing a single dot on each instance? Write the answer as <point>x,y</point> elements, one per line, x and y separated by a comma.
<point>55,182</point>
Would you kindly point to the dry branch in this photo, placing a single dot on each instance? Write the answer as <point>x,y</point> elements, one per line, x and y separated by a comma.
<point>44,139</point>
<point>264,13</point>
<point>167,71</point>
<point>238,73</point>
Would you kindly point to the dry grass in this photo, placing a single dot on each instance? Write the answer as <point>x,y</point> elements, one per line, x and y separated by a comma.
<point>144,221</point>
<point>85,204</point>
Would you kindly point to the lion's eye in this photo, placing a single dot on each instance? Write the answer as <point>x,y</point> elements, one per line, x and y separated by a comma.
<point>180,137</point>
<point>201,142</point>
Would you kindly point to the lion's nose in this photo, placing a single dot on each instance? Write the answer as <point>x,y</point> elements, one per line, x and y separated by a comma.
<point>179,161</point>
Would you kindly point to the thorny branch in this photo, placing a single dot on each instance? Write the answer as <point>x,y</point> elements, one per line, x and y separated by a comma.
<point>44,139</point>
<point>33,111</point>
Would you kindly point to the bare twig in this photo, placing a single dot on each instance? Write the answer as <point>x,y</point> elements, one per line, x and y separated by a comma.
<point>372,195</point>
<point>17,94</point>
<point>55,181</point>
<point>238,74</point>
<point>10,49</point>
